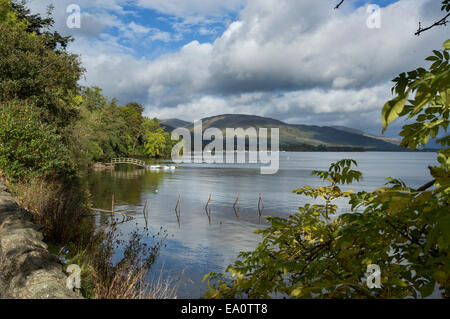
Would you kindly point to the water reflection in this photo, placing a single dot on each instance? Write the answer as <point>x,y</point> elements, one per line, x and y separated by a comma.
<point>201,244</point>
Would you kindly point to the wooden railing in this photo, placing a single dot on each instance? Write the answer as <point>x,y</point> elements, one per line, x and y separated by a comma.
<point>131,161</point>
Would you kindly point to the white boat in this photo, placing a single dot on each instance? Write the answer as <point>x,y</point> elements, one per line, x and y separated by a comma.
<point>159,167</point>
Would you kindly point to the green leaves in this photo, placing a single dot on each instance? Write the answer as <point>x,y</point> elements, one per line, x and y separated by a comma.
<point>297,250</point>
<point>340,173</point>
<point>405,231</point>
<point>32,72</point>
<point>393,109</point>
<point>158,143</point>
<point>29,147</point>
<point>446,44</point>
<point>430,103</point>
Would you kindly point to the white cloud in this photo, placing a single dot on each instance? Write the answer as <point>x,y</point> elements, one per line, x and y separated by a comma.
<point>287,59</point>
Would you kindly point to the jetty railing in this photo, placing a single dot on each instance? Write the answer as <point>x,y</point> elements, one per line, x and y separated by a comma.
<point>132,161</point>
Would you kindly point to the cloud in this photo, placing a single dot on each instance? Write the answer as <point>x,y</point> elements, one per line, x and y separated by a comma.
<point>298,61</point>
<point>354,108</point>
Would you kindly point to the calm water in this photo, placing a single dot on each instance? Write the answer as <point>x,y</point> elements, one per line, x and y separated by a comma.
<point>198,247</point>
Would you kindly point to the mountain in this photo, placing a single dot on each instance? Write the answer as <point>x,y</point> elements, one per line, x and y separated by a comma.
<point>297,137</point>
<point>395,141</point>
<point>174,123</point>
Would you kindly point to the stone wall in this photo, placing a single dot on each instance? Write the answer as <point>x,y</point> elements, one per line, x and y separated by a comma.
<point>27,269</point>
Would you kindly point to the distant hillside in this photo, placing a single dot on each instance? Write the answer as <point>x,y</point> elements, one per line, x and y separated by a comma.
<point>299,137</point>
<point>395,141</point>
<point>174,123</point>
<point>167,128</point>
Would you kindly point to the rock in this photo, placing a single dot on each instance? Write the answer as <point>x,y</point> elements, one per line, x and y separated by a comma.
<point>27,269</point>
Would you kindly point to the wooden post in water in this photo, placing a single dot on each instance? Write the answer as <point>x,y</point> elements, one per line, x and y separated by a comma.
<point>112,204</point>
<point>177,210</point>
<point>237,203</point>
<point>208,213</point>
<point>260,207</point>
<point>146,213</point>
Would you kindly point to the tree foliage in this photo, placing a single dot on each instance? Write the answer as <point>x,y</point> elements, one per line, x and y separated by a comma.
<point>106,130</point>
<point>425,96</point>
<point>405,231</point>
<point>36,24</point>
<point>32,71</point>
<point>37,83</point>
<point>158,143</point>
<point>30,147</point>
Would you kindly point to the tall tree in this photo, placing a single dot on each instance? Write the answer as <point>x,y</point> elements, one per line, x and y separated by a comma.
<point>33,71</point>
<point>132,114</point>
<point>36,24</point>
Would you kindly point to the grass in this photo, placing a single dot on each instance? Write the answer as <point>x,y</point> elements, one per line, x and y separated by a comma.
<point>64,211</point>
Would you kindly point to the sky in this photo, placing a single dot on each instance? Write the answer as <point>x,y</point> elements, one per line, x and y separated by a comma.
<point>299,61</point>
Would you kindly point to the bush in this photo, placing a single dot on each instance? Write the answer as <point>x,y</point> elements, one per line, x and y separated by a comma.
<point>30,147</point>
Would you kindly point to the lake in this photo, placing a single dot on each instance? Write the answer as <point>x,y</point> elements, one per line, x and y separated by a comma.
<point>196,246</point>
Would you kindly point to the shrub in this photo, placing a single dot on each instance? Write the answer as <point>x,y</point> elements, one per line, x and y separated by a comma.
<point>30,147</point>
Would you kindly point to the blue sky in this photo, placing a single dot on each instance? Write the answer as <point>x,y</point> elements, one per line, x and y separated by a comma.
<point>168,25</point>
<point>179,34</point>
<point>298,61</point>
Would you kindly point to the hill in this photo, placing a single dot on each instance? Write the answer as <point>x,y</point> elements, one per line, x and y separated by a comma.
<point>292,136</point>
<point>296,136</point>
<point>174,123</point>
<point>395,141</point>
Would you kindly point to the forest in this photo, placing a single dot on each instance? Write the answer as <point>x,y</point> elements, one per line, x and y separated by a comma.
<point>60,127</point>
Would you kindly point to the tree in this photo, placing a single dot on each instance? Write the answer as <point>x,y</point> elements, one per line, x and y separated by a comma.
<point>93,99</point>
<point>38,25</point>
<point>104,129</point>
<point>37,86</point>
<point>132,115</point>
<point>429,106</point>
<point>31,71</point>
<point>405,231</point>
<point>158,143</point>
<point>30,147</point>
